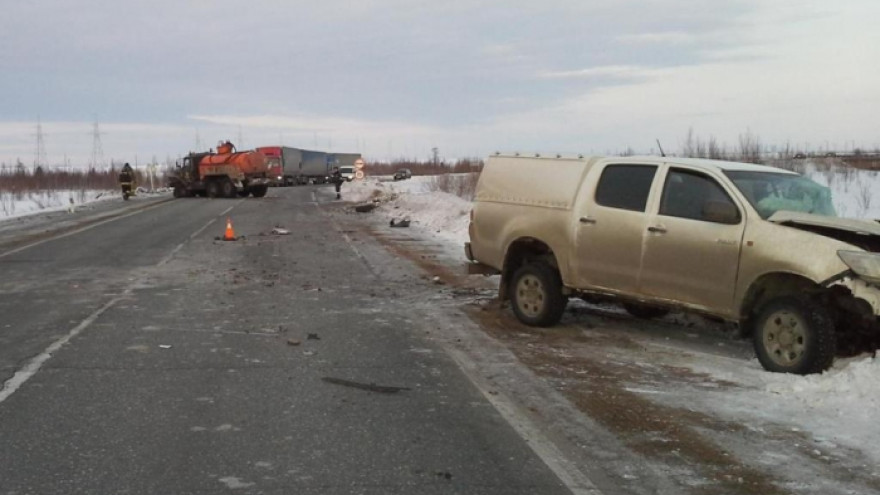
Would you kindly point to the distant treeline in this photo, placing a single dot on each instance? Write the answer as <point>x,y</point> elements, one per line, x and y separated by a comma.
<point>427,167</point>
<point>20,178</point>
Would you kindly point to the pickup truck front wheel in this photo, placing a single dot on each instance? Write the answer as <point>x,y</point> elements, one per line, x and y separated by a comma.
<point>794,335</point>
<point>536,295</point>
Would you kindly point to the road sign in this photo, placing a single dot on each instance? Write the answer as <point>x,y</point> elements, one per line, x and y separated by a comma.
<point>359,163</point>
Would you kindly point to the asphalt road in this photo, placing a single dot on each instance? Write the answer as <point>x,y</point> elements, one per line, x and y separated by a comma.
<point>141,355</point>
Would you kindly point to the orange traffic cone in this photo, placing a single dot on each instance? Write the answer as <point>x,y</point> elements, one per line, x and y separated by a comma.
<point>230,234</point>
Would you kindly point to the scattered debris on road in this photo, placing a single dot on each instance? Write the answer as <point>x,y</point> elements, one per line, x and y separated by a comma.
<point>313,336</point>
<point>400,223</point>
<point>293,342</point>
<point>365,208</point>
<point>164,346</point>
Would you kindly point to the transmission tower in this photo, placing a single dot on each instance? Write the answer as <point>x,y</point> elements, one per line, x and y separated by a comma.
<point>40,159</point>
<point>97,147</point>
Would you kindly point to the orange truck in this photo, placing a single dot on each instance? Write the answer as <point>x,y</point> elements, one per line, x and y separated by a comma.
<point>225,174</point>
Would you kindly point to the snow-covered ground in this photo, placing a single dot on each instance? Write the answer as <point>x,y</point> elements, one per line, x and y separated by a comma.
<point>838,407</point>
<point>13,205</point>
<point>855,193</point>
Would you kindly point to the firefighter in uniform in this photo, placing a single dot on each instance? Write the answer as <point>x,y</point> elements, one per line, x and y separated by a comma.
<point>126,181</point>
<point>336,179</point>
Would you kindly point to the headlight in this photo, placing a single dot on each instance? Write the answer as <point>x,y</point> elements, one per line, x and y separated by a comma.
<point>865,265</point>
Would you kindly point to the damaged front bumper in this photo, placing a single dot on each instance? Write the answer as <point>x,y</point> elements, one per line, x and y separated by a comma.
<point>862,291</point>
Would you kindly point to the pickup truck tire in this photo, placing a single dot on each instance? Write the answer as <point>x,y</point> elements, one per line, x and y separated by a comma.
<point>536,295</point>
<point>645,312</point>
<point>793,334</point>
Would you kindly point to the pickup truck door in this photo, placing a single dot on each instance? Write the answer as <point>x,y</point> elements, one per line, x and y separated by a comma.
<point>692,249</point>
<point>610,222</point>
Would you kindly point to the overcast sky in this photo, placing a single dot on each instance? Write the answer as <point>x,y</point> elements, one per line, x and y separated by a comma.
<point>398,77</point>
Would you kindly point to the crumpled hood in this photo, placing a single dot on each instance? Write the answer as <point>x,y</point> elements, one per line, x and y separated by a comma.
<point>863,227</point>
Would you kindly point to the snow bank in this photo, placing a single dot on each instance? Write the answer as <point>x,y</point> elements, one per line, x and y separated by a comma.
<point>13,205</point>
<point>444,216</point>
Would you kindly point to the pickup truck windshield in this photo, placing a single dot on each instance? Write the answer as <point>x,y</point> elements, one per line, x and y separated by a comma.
<point>770,192</point>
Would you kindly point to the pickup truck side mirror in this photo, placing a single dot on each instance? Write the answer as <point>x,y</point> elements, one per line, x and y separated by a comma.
<point>721,212</point>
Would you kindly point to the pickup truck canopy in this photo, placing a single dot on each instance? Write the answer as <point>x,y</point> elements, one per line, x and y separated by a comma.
<point>530,180</point>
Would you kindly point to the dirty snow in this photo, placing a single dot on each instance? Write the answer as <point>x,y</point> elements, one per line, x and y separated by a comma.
<point>439,214</point>
<point>838,407</point>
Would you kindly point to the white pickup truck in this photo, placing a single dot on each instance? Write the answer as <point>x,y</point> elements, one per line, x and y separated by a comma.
<point>754,245</point>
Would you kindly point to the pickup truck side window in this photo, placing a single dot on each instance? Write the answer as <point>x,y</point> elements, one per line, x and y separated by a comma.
<point>625,186</point>
<point>692,195</point>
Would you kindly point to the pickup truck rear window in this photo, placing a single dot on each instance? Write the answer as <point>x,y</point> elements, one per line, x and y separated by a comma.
<point>625,186</point>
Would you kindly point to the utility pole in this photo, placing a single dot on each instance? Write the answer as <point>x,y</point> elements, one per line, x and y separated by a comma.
<point>436,155</point>
<point>198,141</point>
<point>40,159</point>
<point>240,140</point>
<point>97,148</point>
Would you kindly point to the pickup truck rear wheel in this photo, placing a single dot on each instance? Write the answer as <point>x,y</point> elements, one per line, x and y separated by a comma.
<point>536,295</point>
<point>793,334</point>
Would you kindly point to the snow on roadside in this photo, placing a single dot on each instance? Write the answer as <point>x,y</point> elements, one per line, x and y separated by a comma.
<point>14,205</point>
<point>442,215</point>
<point>836,407</point>
<point>855,192</point>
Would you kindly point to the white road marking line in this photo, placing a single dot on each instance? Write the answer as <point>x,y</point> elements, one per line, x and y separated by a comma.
<point>177,248</point>
<point>31,367</point>
<point>350,244</point>
<point>569,474</point>
<point>227,210</point>
<point>68,234</point>
<point>194,234</point>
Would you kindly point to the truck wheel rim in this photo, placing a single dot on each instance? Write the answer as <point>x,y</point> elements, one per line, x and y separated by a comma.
<point>784,337</point>
<point>530,295</point>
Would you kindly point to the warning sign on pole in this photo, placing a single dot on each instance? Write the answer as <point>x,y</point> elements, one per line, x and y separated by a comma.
<point>359,174</point>
<point>359,163</point>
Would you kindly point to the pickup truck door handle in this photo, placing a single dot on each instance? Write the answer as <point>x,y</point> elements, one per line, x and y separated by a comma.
<point>657,230</point>
<point>587,220</point>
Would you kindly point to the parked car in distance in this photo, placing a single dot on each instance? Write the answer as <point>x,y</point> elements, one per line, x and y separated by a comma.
<point>403,174</point>
<point>758,246</point>
<point>347,172</point>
